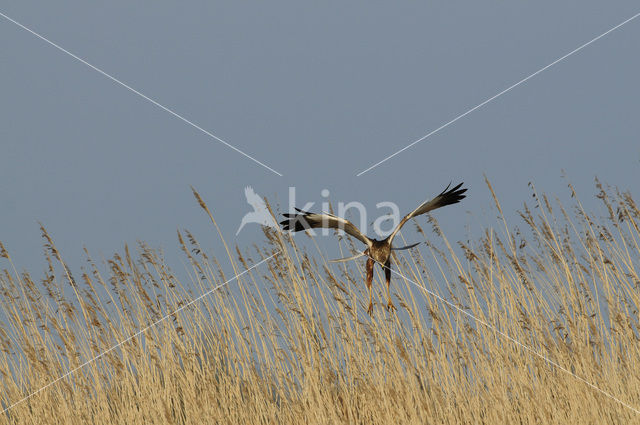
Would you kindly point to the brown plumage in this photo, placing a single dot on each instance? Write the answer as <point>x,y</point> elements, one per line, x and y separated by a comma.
<point>377,251</point>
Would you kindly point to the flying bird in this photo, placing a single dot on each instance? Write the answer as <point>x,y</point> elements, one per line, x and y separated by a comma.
<point>377,250</point>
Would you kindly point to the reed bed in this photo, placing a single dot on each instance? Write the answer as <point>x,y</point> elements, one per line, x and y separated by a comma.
<point>529,324</point>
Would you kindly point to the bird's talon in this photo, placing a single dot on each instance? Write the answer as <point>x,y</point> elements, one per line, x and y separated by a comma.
<point>390,306</point>
<point>370,309</point>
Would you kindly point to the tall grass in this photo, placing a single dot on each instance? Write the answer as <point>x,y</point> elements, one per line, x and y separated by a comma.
<point>530,325</point>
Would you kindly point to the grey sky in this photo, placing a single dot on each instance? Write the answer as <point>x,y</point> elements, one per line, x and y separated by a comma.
<point>319,92</point>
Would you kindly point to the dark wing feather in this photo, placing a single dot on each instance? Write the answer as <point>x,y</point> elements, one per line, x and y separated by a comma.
<point>446,197</point>
<point>307,220</point>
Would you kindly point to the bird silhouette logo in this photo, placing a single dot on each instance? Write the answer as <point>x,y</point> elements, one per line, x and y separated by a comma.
<point>260,214</point>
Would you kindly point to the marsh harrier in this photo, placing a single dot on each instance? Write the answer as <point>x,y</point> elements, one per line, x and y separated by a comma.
<point>377,251</point>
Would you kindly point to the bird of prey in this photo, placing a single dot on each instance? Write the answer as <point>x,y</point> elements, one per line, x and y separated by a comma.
<point>377,250</point>
<point>260,213</point>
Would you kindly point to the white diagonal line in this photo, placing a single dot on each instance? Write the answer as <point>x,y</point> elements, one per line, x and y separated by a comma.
<point>498,95</point>
<point>114,79</point>
<point>511,339</point>
<point>135,335</point>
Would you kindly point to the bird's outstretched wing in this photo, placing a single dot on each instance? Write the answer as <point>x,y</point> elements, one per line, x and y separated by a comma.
<point>307,220</point>
<point>254,199</point>
<point>344,260</point>
<point>447,197</point>
<point>413,245</point>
